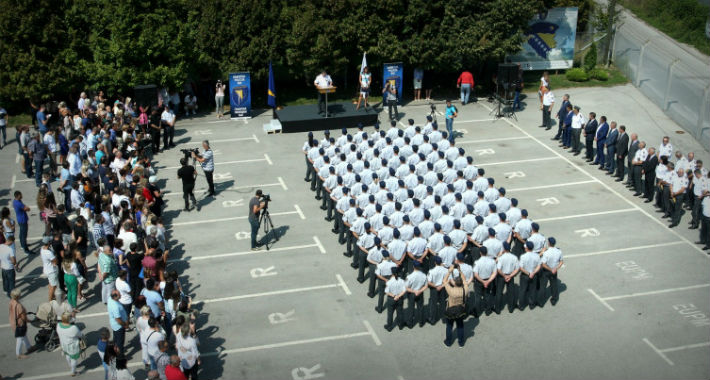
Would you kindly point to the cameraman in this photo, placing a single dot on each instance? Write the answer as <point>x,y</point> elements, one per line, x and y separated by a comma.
<point>255,207</point>
<point>188,174</point>
<point>206,160</point>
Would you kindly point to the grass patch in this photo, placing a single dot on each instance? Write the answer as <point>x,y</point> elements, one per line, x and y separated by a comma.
<point>682,20</point>
<point>559,80</point>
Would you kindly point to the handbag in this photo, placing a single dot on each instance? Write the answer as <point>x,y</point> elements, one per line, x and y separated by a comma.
<point>20,331</point>
<point>457,311</point>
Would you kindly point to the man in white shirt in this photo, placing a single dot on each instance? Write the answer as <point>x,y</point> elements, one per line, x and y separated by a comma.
<point>577,123</point>
<point>322,81</point>
<point>167,121</point>
<point>548,101</point>
<point>666,148</point>
<point>49,265</point>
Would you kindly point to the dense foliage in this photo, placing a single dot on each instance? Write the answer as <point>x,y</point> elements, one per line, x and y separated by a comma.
<point>57,48</point>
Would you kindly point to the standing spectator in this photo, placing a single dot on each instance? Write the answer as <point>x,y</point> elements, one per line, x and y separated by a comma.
<point>69,338</point>
<point>65,185</point>
<point>418,78</point>
<point>219,97</point>
<point>122,372</point>
<point>18,324</point>
<point>161,357</point>
<point>50,143</point>
<point>101,345</point>
<point>518,88</point>
<point>22,220</point>
<point>72,280</point>
<point>8,263</point>
<point>143,331</point>
<point>49,265</point>
<point>154,127</point>
<point>561,116</point>
<point>118,320</point>
<point>38,153</point>
<point>389,93</point>
<point>8,225</point>
<point>125,291</point>
<point>167,120</point>
<point>42,120</point>
<point>107,273</point>
<point>24,141</point>
<point>186,346</point>
<point>465,83</point>
<point>3,126</point>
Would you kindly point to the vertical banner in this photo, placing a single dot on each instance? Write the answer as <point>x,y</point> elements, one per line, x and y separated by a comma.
<point>393,74</point>
<point>240,95</point>
<point>548,42</point>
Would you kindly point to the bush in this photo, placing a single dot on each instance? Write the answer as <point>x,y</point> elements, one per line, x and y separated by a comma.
<point>577,75</point>
<point>599,74</point>
<point>590,59</point>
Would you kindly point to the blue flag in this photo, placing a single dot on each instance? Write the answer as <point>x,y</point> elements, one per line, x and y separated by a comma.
<point>272,88</point>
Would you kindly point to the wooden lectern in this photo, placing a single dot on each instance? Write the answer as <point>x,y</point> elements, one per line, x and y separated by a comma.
<point>326,91</point>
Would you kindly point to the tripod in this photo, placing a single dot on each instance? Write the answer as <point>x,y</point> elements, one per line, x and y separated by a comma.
<point>265,220</point>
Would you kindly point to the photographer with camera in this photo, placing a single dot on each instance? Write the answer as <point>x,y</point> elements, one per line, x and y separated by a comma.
<point>389,94</point>
<point>206,160</point>
<point>451,112</point>
<point>256,204</point>
<point>187,174</point>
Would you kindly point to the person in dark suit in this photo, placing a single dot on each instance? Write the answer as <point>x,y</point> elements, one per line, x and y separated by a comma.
<point>590,131</point>
<point>622,149</point>
<point>649,175</point>
<point>633,148</point>
<point>562,115</point>
<point>610,145</point>
<point>600,138</point>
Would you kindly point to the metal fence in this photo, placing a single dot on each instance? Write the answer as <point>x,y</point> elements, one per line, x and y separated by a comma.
<point>673,78</point>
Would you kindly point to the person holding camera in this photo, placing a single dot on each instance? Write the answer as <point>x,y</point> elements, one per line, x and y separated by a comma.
<point>456,305</point>
<point>390,95</point>
<point>219,97</point>
<point>187,174</point>
<point>206,160</point>
<point>451,113</point>
<point>256,204</point>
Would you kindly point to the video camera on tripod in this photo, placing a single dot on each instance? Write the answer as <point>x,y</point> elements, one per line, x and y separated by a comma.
<point>266,198</point>
<point>188,152</point>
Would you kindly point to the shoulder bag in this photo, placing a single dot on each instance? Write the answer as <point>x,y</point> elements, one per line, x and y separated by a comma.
<point>457,311</point>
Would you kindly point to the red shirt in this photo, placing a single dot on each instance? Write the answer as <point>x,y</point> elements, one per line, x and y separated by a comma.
<point>174,373</point>
<point>465,78</point>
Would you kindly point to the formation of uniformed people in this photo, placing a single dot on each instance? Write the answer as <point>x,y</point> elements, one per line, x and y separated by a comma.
<point>677,182</point>
<point>407,204</point>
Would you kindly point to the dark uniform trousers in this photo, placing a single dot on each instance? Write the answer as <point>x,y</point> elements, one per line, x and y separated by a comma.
<point>517,249</point>
<point>329,204</point>
<point>340,227</point>
<point>546,277</point>
<point>704,230</point>
<point>677,207</point>
<point>589,147</point>
<point>697,202</point>
<point>483,296</point>
<point>393,305</point>
<point>373,280</point>
<point>437,303</point>
<point>649,183</point>
<point>319,188</point>
<point>314,178</point>
<point>528,290</point>
<point>416,309</point>
<point>509,293</point>
<point>351,240</point>
<point>361,262</point>
<point>664,199</point>
<point>620,168</point>
<point>380,295</point>
<point>309,169</point>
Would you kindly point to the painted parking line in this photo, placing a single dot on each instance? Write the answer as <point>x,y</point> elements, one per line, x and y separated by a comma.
<point>297,211</point>
<point>491,140</point>
<point>696,248</point>
<point>662,352</point>
<point>586,215</point>
<point>604,300</point>
<point>14,179</point>
<point>317,244</point>
<point>517,161</point>
<point>368,332</point>
<point>266,158</point>
<point>280,183</point>
<point>552,186</point>
<point>473,121</point>
<point>253,138</point>
<point>339,284</point>
<point>620,250</point>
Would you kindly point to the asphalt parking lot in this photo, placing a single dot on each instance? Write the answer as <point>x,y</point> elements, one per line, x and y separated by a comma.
<point>635,294</point>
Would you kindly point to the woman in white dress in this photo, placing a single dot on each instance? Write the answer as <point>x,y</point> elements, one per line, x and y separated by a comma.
<point>69,338</point>
<point>186,345</point>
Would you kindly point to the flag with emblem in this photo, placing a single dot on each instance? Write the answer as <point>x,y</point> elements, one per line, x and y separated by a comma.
<point>272,88</point>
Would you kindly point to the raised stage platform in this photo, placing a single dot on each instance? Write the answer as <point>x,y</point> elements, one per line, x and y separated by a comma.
<point>306,118</point>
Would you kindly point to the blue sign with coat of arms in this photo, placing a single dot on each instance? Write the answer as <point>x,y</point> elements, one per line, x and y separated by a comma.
<point>548,42</point>
<point>240,95</point>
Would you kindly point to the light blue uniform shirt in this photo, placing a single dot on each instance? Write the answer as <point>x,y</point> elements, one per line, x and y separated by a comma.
<point>529,261</point>
<point>397,248</point>
<point>374,255</point>
<point>208,164</point>
<point>395,286</point>
<point>551,257</point>
<point>493,245</point>
<point>484,267</point>
<point>507,263</point>
<point>523,228</point>
<point>538,241</point>
<point>436,242</point>
<point>416,280</point>
<point>436,275</point>
<point>417,246</point>
<point>384,268</point>
<point>448,255</point>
